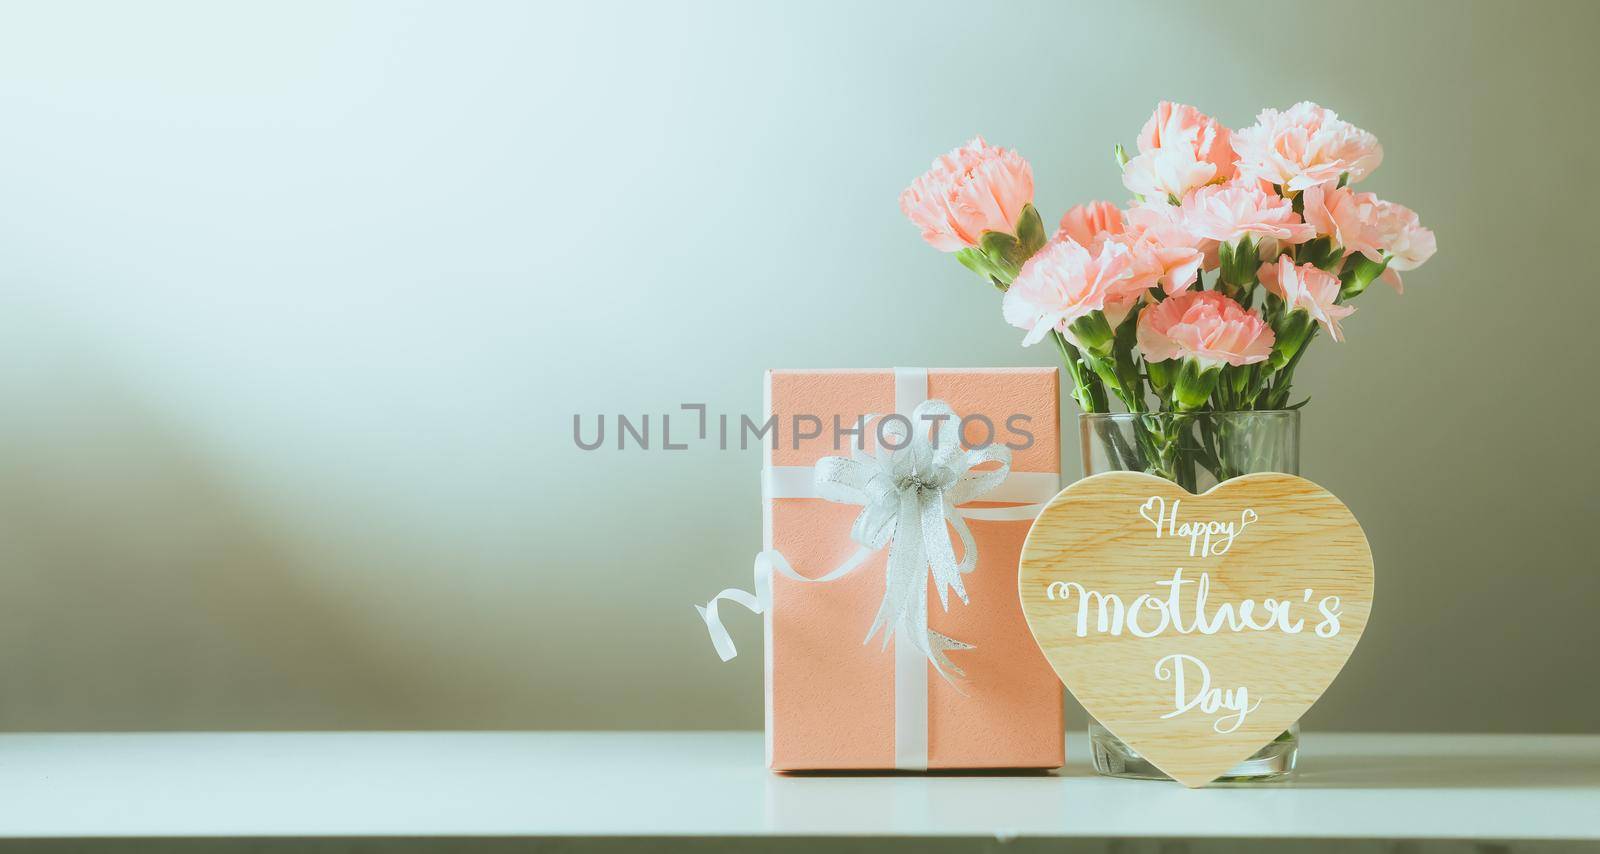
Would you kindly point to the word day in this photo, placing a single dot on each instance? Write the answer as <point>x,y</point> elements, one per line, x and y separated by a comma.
<point>1206,539</point>
<point>1207,699</point>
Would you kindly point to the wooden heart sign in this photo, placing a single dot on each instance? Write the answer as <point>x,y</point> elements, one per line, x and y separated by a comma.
<point>1196,627</point>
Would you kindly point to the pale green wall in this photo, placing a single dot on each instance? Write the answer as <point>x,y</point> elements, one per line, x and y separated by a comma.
<point>298,301</point>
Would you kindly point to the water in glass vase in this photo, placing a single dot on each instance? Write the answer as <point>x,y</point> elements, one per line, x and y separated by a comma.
<point>1196,451</point>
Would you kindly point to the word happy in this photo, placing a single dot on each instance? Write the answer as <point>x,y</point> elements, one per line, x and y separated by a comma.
<point>1200,534</point>
<point>1183,608</point>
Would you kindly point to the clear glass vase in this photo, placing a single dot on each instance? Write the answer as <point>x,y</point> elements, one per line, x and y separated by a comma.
<point>1197,451</point>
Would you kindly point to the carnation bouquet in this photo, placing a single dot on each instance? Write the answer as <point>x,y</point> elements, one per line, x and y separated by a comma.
<point>1202,295</point>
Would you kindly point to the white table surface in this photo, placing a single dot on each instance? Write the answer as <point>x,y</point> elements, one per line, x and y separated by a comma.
<point>523,784</point>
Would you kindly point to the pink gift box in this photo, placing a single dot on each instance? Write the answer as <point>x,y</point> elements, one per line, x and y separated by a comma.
<point>830,698</point>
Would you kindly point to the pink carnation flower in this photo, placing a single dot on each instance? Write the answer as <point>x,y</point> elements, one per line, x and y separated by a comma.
<point>1401,236</point>
<point>1087,223</point>
<point>1180,148</point>
<point>1348,218</point>
<point>1229,212</point>
<point>1304,146</point>
<point>1161,253</point>
<point>1307,288</point>
<point>1206,326</point>
<point>1164,251</point>
<point>976,188</point>
<point>1166,172</point>
<point>1065,281</point>
<point>1182,126</point>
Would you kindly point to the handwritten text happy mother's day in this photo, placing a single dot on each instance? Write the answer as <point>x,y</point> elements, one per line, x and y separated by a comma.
<point>1191,679</point>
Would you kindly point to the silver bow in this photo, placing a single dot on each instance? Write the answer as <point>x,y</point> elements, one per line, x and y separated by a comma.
<point>908,489</point>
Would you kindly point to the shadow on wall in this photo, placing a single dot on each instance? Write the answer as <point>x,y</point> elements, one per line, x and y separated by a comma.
<point>139,592</point>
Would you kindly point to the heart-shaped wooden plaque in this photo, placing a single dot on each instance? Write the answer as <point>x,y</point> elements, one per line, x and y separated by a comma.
<point>1196,628</point>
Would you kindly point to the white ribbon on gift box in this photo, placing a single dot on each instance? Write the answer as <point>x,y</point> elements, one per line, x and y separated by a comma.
<point>914,487</point>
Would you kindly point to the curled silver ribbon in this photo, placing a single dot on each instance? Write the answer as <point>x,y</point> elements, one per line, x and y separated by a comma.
<point>908,488</point>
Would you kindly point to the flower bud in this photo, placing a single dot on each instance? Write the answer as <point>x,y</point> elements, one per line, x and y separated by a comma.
<point>1292,330</point>
<point>1238,266</point>
<point>1030,232</point>
<point>1358,273</point>
<point>1194,385</point>
<point>1160,375</point>
<point>1093,332</point>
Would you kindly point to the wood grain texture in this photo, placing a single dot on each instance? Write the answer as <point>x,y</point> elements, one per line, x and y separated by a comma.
<point>1093,533</point>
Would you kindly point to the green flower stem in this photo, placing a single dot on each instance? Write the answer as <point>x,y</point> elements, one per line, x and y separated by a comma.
<point>1106,370</point>
<point>1091,396</point>
<point>1206,457</point>
<point>1086,388</point>
<point>1278,398</point>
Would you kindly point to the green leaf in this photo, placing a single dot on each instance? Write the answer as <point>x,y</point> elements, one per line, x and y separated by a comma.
<point>1030,232</point>
<point>1238,378</point>
<point>1126,340</point>
<point>1300,404</point>
<point>1272,307</point>
<point>1106,369</point>
<point>1121,155</point>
